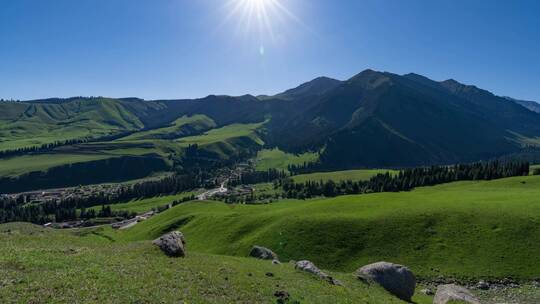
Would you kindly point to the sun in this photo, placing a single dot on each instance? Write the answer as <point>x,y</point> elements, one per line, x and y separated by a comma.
<point>259,19</point>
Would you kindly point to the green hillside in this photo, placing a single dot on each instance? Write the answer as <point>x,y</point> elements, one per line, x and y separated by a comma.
<point>32,124</point>
<point>183,126</point>
<point>464,229</point>
<point>147,204</point>
<point>220,143</point>
<point>338,176</point>
<point>29,163</point>
<point>226,141</point>
<point>277,159</point>
<point>42,265</point>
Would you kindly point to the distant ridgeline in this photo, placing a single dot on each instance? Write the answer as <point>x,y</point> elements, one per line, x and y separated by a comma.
<point>65,209</point>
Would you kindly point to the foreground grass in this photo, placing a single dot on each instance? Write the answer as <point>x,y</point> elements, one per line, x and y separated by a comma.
<point>338,176</point>
<point>466,230</point>
<point>46,266</point>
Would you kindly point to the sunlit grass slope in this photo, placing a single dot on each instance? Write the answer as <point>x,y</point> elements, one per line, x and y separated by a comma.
<point>43,266</point>
<point>465,229</point>
<point>337,176</point>
<point>228,140</point>
<point>33,124</point>
<point>185,125</point>
<point>147,204</point>
<point>222,142</point>
<point>277,159</point>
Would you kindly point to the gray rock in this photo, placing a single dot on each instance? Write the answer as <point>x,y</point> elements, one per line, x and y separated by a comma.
<point>262,253</point>
<point>396,279</point>
<point>427,292</point>
<point>308,266</point>
<point>172,243</point>
<point>276,262</point>
<point>451,292</point>
<point>483,285</point>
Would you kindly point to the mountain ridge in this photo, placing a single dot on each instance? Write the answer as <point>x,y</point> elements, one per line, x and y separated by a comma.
<point>371,119</point>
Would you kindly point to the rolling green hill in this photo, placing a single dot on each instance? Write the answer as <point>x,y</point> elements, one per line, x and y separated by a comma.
<point>277,159</point>
<point>219,143</point>
<point>227,141</point>
<point>465,230</point>
<point>144,205</point>
<point>87,266</point>
<point>32,124</point>
<point>183,126</point>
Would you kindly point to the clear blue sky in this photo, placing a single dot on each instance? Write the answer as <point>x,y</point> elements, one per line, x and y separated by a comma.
<point>191,48</point>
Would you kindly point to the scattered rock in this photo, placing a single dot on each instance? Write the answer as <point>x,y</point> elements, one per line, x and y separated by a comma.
<point>276,262</point>
<point>172,243</point>
<point>308,266</point>
<point>483,285</point>
<point>451,293</point>
<point>262,253</point>
<point>536,284</point>
<point>427,292</point>
<point>269,274</point>
<point>396,279</point>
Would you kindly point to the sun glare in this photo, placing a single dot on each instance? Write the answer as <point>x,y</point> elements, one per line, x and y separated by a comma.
<point>262,18</point>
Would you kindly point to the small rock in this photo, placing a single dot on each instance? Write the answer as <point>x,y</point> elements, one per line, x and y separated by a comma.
<point>172,243</point>
<point>451,293</point>
<point>308,266</point>
<point>269,274</point>
<point>536,284</point>
<point>282,295</point>
<point>483,285</point>
<point>427,292</point>
<point>396,279</point>
<point>276,262</point>
<point>262,253</point>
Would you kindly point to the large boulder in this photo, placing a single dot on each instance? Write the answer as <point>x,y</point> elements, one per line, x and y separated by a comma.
<point>308,266</point>
<point>262,253</point>
<point>172,243</point>
<point>396,279</point>
<point>451,293</point>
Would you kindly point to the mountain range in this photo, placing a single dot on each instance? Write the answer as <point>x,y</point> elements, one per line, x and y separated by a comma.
<point>374,119</point>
